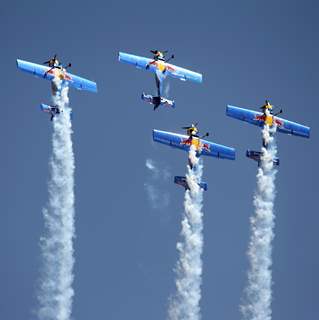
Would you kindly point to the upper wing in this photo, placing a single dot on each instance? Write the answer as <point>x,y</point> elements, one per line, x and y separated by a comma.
<point>283,125</point>
<point>244,115</point>
<point>179,141</point>
<point>41,71</point>
<point>160,66</point>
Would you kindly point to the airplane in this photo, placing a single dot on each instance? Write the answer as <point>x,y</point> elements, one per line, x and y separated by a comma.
<point>267,117</point>
<point>56,70</point>
<point>160,67</point>
<point>182,181</point>
<point>202,147</point>
<point>157,101</point>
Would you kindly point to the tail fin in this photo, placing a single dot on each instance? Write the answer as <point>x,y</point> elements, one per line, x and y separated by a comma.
<point>183,182</point>
<point>256,155</point>
<point>45,108</point>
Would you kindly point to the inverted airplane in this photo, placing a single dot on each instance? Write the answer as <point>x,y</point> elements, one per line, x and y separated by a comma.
<point>267,117</point>
<point>202,147</point>
<point>161,68</point>
<point>56,70</point>
<point>182,181</point>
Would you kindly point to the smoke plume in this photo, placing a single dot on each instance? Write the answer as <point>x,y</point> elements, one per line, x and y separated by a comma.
<point>56,292</point>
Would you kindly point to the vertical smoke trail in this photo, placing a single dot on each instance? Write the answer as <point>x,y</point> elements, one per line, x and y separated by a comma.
<point>257,304</point>
<point>56,292</point>
<point>185,304</point>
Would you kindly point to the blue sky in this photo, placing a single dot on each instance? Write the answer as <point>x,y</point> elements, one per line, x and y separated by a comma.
<point>125,249</point>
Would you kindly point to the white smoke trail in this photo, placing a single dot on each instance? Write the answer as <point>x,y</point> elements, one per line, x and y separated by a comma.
<point>185,304</point>
<point>56,292</point>
<point>158,196</point>
<point>258,293</point>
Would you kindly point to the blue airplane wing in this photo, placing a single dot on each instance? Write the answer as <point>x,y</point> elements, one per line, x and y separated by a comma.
<point>82,83</point>
<point>205,147</point>
<point>41,71</point>
<point>35,69</point>
<point>255,118</point>
<point>184,74</point>
<point>244,115</point>
<point>159,66</point>
<point>289,127</point>
<point>137,61</point>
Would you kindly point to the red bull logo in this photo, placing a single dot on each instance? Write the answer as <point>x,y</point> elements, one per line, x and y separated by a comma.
<point>199,146</point>
<point>206,146</point>
<point>162,66</point>
<point>270,120</point>
<point>61,74</point>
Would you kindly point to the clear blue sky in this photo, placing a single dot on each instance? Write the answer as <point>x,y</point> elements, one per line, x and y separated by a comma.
<point>125,250</point>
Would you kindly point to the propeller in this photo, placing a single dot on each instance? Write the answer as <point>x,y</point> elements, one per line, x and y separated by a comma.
<point>54,58</point>
<point>279,112</point>
<point>156,51</point>
<point>192,126</point>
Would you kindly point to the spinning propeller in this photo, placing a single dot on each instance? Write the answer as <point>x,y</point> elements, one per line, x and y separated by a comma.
<point>52,60</point>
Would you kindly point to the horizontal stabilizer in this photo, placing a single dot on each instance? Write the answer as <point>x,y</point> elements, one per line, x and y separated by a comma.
<point>157,101</point>
<point>45,108</point>
<point>183,182</point>
<point>256,155</point>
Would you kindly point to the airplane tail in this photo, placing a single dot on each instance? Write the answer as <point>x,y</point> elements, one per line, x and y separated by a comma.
<point>182,182</point>
<point>256,155</point>
<point>44,107</point>
<point>157,101</point>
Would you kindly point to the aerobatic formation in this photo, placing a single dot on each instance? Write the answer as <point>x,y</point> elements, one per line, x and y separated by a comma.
<point>56,299</point>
